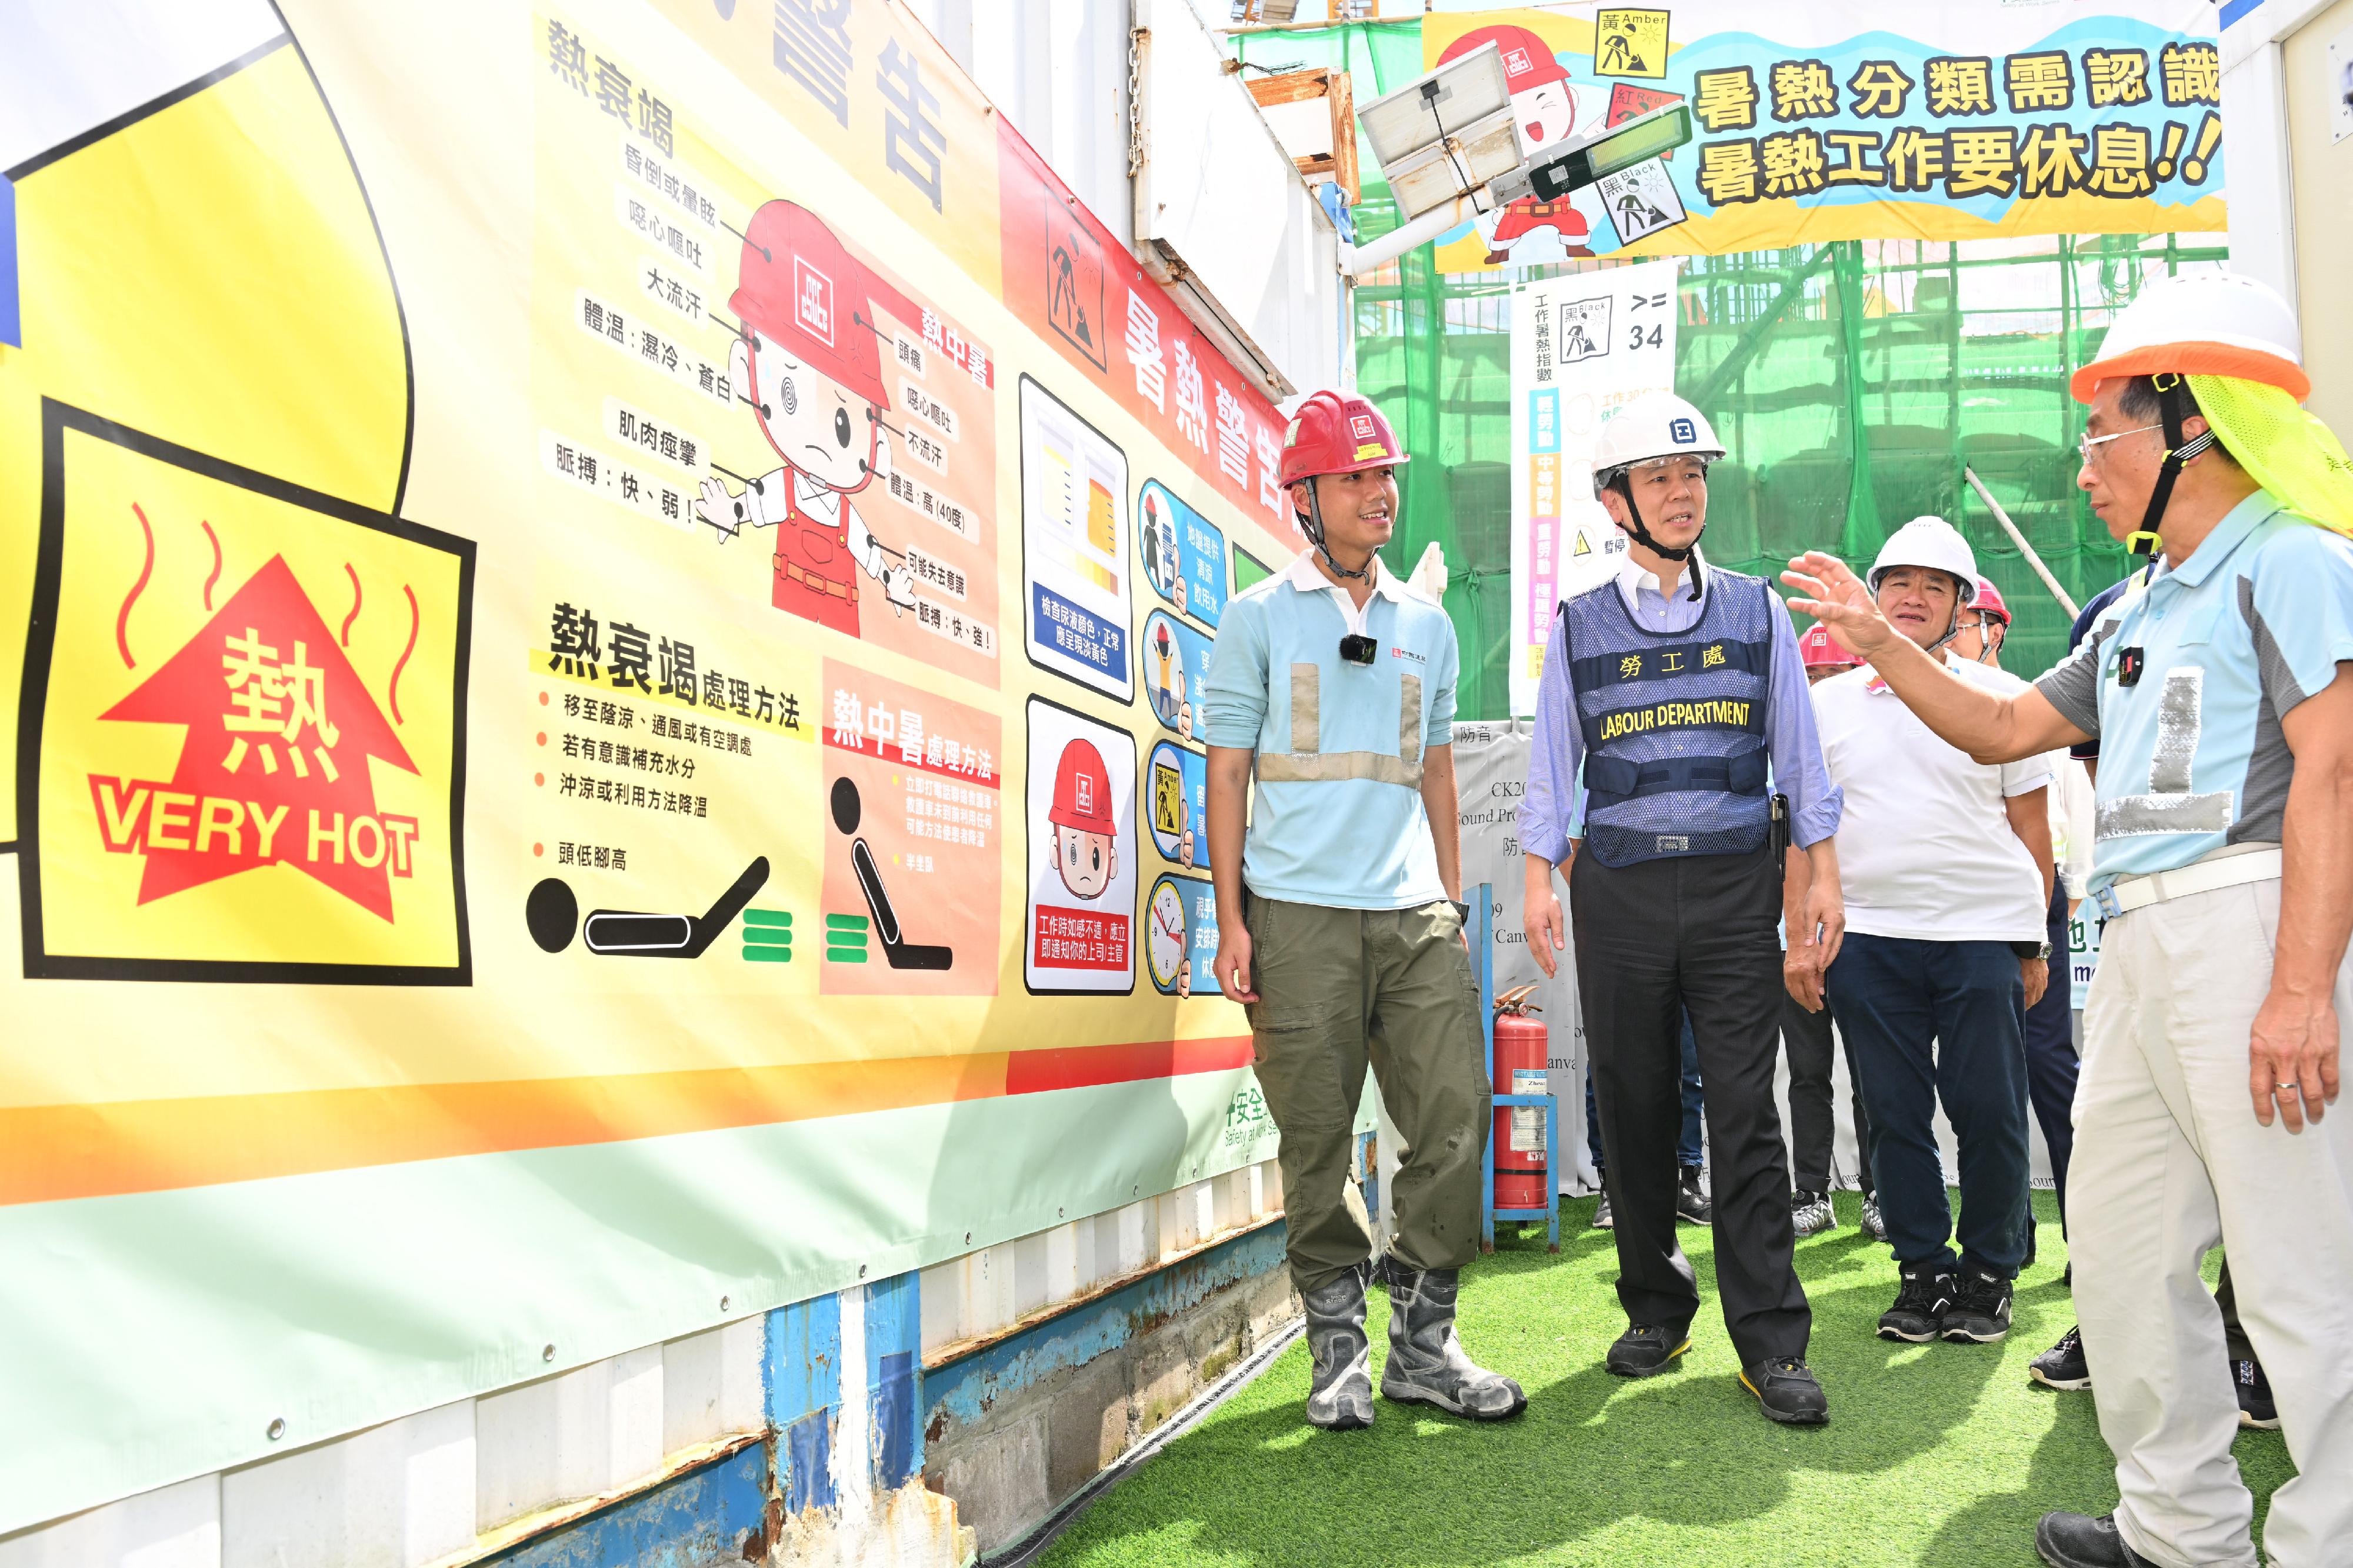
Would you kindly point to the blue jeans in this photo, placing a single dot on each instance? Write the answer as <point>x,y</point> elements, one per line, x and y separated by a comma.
<point>1931,1020</point>
<point>1687,1149</point>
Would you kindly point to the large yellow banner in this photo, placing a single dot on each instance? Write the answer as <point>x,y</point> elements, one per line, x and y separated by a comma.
<point>602,609</point>
<point>1841,120</point>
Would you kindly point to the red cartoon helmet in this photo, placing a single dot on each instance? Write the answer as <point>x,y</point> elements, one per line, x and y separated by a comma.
<point>1817,649</point>
<point>1335,433</point>
<point>1082,791</point>
<point>799,288</point>
<point>1528,61</point>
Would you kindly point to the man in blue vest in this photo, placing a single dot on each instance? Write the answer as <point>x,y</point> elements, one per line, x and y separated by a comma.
<point>1677,688</point>
<point>1338,924</point>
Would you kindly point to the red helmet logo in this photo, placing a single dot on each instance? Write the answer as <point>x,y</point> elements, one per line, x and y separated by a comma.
<point>813,291</point>
<point>1528,61</point>
<point>1363,427</point>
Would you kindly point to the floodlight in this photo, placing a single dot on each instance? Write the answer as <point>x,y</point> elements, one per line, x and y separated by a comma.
<point>1600,154</point>
<point>1442,136</point>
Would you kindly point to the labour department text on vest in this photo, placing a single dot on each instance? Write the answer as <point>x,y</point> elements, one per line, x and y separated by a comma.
<point>1673,722</point>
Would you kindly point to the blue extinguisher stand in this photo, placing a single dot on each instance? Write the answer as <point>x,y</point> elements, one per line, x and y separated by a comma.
<point>1484,925</point>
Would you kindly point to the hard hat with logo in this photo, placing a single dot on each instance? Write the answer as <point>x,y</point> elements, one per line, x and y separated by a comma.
<point>1928,541</point>
<point>800,289</point>
<point>1337,433</point>
<point>1654,425</point>
<point>1528,61</point>
<point>1817,649</point>
<point>2212,323</point>
<point>1082,791</point>
<point>1988,601</point>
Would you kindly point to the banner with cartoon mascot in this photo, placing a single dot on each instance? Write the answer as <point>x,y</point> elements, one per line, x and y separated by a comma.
<point>1847,120</point>
<point>601,609</point>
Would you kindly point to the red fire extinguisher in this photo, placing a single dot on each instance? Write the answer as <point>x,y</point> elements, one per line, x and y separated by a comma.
<point>1522,1046</point>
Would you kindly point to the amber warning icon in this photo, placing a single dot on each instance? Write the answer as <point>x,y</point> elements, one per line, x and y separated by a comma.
<point>250,732</point>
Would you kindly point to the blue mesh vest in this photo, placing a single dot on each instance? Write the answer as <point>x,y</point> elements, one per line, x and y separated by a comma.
<point>1673,722</point>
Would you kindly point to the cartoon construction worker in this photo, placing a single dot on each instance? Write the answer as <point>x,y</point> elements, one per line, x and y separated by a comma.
<point>1168,683</point>
<point>1086,838</point>
<point>809,363</point>
<point>1543,105</point>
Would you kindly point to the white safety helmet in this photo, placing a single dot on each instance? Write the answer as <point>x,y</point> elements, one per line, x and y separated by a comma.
<point>1927,542</point>
<point>1655,424</point>
<point>1930,542</point>
<point>2210,323</point>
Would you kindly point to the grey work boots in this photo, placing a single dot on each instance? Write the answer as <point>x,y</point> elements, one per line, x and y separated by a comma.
<point>1341,1395</point>
<point>1426,1362</point>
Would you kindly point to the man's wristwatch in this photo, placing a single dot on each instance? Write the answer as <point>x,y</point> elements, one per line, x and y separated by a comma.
<point>2026,949</point>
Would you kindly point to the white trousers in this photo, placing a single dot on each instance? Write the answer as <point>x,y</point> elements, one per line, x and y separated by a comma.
<point>2169,1160</point>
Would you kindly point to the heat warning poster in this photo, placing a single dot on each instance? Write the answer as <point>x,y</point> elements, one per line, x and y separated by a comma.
<point>601,628</point>
<point>1847,120</point>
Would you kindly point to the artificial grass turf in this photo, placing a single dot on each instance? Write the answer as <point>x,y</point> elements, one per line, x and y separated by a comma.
<point>1942,1456</point>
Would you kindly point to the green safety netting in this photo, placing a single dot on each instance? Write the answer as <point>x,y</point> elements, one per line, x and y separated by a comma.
<point>1853,385</point>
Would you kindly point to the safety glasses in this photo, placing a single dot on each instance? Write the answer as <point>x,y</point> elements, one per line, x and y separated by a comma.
<point>2083,446</point>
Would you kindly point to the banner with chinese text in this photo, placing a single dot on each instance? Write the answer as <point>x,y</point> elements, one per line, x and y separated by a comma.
<point>1843,119</point>
<point>598,597</point>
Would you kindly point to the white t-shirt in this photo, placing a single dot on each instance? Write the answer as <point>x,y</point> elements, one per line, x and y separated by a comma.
<point>1926,849</point>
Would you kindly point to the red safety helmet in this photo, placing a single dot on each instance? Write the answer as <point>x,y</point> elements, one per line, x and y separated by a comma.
<point>799,288</point>
<point>1528,61</point>
<point>1988,601</point>
<point>1817,649</point>
<point>1335,433</point>
<point>1082,791</point>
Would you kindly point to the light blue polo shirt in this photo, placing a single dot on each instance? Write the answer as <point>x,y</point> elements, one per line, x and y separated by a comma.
<point>1337,819</point>
<point>2192,756</point>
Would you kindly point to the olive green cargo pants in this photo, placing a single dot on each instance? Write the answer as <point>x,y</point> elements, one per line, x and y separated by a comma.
<point>1342,988</point>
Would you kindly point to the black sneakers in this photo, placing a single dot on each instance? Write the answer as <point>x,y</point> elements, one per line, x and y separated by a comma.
<point>1918,1315</point>
<point>1786,1391</point>
<point>2078,1540</point>
<point>2063,1366</point>
<point>2255,1407</point>
<point>1979,1314</point>
<point>1811,1214</point>
<point>1646,1349</point>
<point>1602,1218</point>
<point>1690,1203</point>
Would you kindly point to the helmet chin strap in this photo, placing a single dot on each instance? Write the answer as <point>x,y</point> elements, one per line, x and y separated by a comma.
<point>1639,531</point>
<point>1316,537</point>
<point>2173,408</point>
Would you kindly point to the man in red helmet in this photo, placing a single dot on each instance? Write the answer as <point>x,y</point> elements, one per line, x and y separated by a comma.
<point>809,364</point>
<point>1333,682</point>
<point>1086,839</point>
<point>1544,106</point>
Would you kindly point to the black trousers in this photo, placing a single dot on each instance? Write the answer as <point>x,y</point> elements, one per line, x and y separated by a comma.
<point>1813,1126</point>
<point>2052,1064</point>
<point>1655,941</point>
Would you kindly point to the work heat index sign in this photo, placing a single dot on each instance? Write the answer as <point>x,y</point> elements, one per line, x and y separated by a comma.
<point>1583,347</point>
